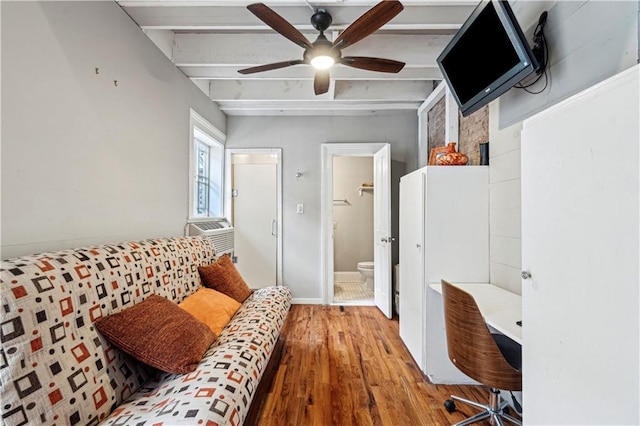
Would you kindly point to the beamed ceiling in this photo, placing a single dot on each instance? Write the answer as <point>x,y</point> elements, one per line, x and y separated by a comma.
<point>211,40</point>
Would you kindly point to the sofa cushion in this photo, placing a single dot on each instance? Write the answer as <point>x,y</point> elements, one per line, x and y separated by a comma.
<point>213,308</point>
<point>223,276</point>
<point>157,332</point>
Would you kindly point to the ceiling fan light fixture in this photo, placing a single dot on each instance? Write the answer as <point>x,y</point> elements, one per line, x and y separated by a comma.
<point>322,54</point>
<point>322,62</point>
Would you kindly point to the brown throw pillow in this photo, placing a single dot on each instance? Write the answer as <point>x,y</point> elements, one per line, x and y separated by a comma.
<point>157,332</point>
<point>223,276</point>
<point>211,307</point>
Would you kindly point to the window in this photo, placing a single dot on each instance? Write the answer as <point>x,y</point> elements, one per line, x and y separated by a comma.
<point>206,164</point>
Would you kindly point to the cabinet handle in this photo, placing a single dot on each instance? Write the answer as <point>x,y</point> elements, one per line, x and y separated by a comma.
<point>525,275</point>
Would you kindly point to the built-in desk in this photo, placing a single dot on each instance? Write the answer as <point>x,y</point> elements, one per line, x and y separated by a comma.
<point>499,307</point>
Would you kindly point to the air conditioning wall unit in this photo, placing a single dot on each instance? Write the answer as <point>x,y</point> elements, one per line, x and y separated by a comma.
<point>220,232</point>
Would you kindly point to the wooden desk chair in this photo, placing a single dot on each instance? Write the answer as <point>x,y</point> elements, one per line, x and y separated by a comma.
<point>480,355</point>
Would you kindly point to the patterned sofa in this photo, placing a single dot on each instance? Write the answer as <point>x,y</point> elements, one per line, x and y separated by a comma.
<point>56,369</point>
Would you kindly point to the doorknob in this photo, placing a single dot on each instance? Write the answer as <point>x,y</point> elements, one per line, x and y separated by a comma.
<point>525,275</point>
<point>384,240</point>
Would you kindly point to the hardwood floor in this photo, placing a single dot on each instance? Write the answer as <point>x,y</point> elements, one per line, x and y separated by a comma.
<point>348,366</point>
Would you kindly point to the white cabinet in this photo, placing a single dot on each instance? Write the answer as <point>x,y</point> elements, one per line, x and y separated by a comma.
<point>580,244</point>
<point>444,233</point>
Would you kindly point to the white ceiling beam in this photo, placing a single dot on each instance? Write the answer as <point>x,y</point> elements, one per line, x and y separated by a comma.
<point>306,72</point>
<point>233,49</point>
<point>265,90</point>
<point>279,3</point>
<point>257,49</point>
<point>246,108</point>
<point>229,18</point>
<point>225,90</point>
<point>377,90</point>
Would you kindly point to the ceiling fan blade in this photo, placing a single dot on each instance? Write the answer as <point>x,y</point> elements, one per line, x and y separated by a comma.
<point>368,23</point>
<point>268,67</point>
<point>278,23</point>
<point>321,82</point>
<point>372,64</point>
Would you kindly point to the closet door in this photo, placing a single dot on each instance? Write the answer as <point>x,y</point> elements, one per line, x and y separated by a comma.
<point>580,245</point>
<point>411,315</point>
<point>255,228</point>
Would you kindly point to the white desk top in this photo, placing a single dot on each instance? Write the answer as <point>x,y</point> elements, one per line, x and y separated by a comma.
<point>499,307</point>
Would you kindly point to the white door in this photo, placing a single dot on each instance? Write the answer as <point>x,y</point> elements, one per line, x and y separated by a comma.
<point>382,229</point>
<point>254,220</point>
<point>411,315</point>
<point>580,245</point>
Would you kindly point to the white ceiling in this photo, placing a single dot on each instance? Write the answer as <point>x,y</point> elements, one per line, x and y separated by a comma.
<point>211,40</point>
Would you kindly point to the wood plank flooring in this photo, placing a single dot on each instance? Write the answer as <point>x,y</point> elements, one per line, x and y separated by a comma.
<point>348,366</point>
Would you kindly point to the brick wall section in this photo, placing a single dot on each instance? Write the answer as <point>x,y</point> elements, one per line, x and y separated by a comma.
<point>436,126</point>
<point>473,130</point>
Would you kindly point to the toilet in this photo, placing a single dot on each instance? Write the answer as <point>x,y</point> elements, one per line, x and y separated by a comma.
<point>366,270</point>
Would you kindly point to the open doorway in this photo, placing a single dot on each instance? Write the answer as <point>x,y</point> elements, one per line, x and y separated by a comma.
<point>380,155</point>
<point>353,243</point>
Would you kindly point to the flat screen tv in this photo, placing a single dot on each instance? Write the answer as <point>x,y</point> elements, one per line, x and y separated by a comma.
<point>486,57</point>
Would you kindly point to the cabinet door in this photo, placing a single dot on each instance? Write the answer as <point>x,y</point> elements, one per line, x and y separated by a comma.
<point>580,244</point>
<point>412,264</point>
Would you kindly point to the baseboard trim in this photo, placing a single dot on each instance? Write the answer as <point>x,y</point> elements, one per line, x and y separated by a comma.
<point>306,301</point>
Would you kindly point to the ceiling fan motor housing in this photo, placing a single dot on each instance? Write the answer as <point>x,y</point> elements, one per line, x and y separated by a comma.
<point>322,47</point>
<point>321,20</point>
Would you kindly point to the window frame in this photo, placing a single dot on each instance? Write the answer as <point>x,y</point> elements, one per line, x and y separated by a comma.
<point>218,139</point>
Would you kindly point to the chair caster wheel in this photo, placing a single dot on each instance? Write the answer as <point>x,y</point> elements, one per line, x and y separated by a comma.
<point>450,405</point>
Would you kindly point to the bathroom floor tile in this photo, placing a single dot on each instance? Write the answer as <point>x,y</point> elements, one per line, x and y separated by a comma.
<point>351,291</point>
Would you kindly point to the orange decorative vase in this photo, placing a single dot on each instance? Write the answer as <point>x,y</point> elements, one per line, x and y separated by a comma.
<point>452,158</point>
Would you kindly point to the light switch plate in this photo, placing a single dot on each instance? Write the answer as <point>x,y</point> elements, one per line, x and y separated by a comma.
<point>300,208</point>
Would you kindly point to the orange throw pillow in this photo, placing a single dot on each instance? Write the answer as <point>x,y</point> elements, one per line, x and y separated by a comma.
<point>157,332</point>
<point>211,307</point>
<point>223,276</point>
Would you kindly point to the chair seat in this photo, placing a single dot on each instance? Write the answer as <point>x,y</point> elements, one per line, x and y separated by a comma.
<point>512,351</point>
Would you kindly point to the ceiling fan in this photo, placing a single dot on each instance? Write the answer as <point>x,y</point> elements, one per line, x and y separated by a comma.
<point>322,53</point>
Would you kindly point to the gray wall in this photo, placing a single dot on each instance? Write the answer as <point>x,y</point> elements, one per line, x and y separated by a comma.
<point>85,161</point>
<point>589,42</point>
<point>300,139</point>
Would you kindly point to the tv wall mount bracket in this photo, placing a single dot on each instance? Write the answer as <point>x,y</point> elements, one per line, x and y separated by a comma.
<point>539,48</point>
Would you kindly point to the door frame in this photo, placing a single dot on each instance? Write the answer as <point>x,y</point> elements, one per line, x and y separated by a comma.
<point>228,204</point>
<point>328,151</point>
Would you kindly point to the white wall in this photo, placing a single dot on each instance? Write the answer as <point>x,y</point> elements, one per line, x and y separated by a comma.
<point>300,139</point>
<point>504,203</point>
<point>353,221</point>
<point>85,161</point>
<point>589,41</point>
